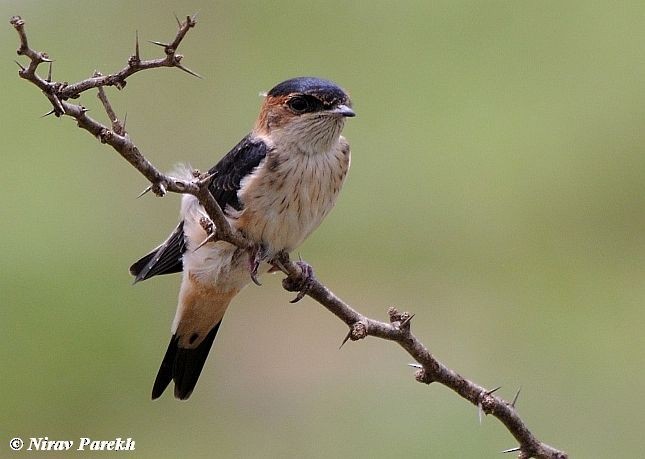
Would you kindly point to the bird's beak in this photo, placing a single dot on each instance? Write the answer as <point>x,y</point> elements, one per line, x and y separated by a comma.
<point>343,110</point>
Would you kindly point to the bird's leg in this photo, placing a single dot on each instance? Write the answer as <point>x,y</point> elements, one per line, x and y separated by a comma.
<point>302,283</point>
<point>257,254</point>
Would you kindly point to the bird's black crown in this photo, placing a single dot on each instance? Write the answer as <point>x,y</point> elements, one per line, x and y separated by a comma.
<point>327,91</point>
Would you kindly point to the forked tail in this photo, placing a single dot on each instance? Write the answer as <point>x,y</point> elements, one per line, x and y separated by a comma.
<point>183,366</point>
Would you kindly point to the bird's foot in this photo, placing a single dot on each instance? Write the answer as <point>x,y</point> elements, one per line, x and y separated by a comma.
<point>302,283</point>
<point>257,254</point>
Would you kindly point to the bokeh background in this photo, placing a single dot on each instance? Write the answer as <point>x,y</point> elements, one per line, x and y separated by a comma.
<point>497,190</point>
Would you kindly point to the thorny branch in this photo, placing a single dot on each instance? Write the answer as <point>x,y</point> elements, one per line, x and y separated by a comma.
<point>300,276</point>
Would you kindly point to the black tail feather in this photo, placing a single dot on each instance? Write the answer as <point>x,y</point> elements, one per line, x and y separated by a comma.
<point>164,375</point>
<point>183,366</point>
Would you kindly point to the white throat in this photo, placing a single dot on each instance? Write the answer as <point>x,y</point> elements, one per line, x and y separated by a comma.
<point>311,135</point>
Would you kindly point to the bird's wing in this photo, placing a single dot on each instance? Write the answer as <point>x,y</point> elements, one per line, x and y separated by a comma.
<point>165,259</point>
<point>232,168</point>
<point>227,175</point>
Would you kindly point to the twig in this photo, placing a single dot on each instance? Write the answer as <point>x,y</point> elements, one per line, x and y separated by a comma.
<point>300,276</point>
<point>58,93</point>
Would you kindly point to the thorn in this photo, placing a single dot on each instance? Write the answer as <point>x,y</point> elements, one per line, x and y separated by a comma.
<point>349,333</point>
<point>145,191</point>
<point>158,43</point>
<point>206,241</point>
<point>125,119</point>
<point>517,394</point>
<point>357,330</point>
<point>49,73</point>
<point>207,179</point>
<point>177,19</point>
<point>415,365</point>
<point>50,112</point>
<point>59,110</point>
<point>45,58</point>
<point>58,106</point>
<point>492,391</point>
<point>136,45</point>
<point>187,70</point>
<point>21,66</point>
<point>406,321</point>
<point>193,18</point>
<point>511,450</point>
<point>480,412</point>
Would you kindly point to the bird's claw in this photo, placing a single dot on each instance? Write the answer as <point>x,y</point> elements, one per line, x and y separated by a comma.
<point>302,284</point>
<point>256,255</point>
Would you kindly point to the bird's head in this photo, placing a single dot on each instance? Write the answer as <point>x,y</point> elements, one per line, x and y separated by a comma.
<point>306,112</point>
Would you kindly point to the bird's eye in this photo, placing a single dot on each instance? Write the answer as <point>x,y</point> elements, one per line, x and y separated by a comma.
<point>299,104</point>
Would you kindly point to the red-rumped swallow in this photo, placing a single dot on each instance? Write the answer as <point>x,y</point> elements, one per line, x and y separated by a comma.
<point>275,187</point>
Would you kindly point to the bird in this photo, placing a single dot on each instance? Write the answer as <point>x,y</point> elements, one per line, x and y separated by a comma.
<point>275,187</point>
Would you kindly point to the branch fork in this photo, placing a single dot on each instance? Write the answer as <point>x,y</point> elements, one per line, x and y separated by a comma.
<point>299,275</point>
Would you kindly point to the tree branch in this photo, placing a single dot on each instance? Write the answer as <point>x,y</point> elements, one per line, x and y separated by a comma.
<point>300,277</point>
<point>117,137</point>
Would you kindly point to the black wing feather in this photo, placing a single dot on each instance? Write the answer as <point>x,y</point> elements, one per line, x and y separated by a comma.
<point>228,174</point>
<point>165,259</point>
<point>232,168</point>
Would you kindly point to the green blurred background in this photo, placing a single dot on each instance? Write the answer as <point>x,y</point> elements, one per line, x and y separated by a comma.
<point>497,190</point>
